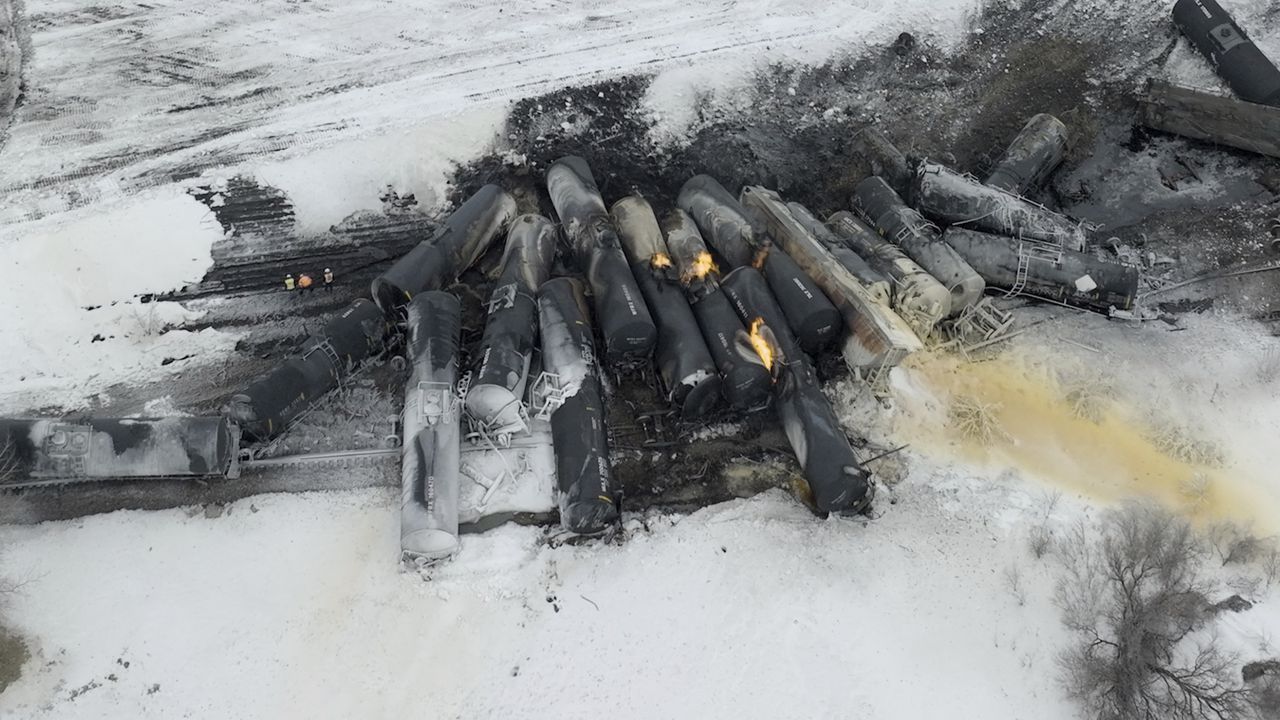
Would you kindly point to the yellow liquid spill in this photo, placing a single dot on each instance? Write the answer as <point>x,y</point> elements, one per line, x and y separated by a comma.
<point>1039,436</point>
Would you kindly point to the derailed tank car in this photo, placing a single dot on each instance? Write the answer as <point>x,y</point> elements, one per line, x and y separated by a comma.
<point>836,478</point>
<point>583,472</point>
<point>53,451</point>
<point>626,326</point>
<point>1248,72</point>
<point>731,231</point>
<point>432,451</point>
<point>745,383</point>
<point>684,363</point>
<point>954,199</point>
<point>877,337</point>
<point>918,297</point>
<point>1047,271</point>
<point>267,407</point>
<point>1033,154</point>
<point>883,209</point>
<point>511,329</point>
<point>436,261</point>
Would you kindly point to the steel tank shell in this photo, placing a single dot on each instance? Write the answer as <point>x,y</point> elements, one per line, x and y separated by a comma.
<point>511,328</point>
<point>734,234</point>
<point>836,478</point>
<point>877,337</point>
<point>432,449</point>
<point>918,297</point>
<point>877,284</point>
<point>1034,153</point>
<point>745,383</point>
<point>266,407</point>
<point>583,472</point>
<point>954,199</point>
<point>1246,70</point>
<point>882,208</point>
<point>52,450</point>
<point>1062,276</point>
<point>453,248</point>
<point>626,326</point>
<point>684,362</point>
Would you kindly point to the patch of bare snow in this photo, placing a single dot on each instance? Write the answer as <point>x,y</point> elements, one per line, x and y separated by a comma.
<point>68,279</point>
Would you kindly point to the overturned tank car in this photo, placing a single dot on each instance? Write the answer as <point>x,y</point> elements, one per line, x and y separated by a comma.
<point>267,407</point>
<point>453,248</point>
<point>626,326</point>
<point>745,383</point>
<point>55,451</point>
<point>511,329</point>
<point>918,297</point>
<point>583,472</point>
<point>883,209</point>
<point>1048,272</point>
<point>835,477</point>
<point>432,447</point>
<point>877,337</point>
<point>743,242</point>
<point>1038,148</point>
<point>684,363</point>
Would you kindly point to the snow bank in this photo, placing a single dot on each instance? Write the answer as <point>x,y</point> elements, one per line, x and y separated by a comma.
<point>293,606</point>
<point>67,280</point>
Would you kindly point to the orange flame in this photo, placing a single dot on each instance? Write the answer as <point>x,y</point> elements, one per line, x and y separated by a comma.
<point>757,262</point>
<point>659,261</point>
<point>761,345</point>
<point>702,265</point>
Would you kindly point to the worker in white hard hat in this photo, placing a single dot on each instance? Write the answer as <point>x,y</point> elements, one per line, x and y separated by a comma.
<point>328,279</point>
<point>288,282</point>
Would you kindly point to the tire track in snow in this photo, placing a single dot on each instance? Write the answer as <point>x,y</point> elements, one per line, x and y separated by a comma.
<point>173,91</point>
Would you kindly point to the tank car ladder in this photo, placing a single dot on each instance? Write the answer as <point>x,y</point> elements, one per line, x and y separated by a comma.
<point>1027,252</point>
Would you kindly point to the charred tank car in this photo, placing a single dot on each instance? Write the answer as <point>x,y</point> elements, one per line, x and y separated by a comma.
<point>745,383</point>
<point>436,261</point>
<point>836,479</point>
<point>950,198</point>
<point>583,472</point>
<point>267,407</point>
<point>1047,272</point>
<point>511,330</point>
<point>683,360</point>
<point>48,451</point>
<point>741,242</point>
<point>626,326</point>
<point>1249,72</point>
<point>920,299</point>
<point>883,209</point>
<point>1032,155</point>
<point>432,450</point>
<point>877,337</point>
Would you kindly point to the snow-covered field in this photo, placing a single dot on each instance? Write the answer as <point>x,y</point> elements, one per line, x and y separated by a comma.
<point>294,606</point>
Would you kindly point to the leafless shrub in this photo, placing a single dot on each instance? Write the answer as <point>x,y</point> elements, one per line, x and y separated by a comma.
<point>977,420</point>
<point>1134,599</point>
<point>1271,565</point>
<point>1196,489</point>
<point>1088,398</point>
<point>147,318</point>
<point>1013,582</point>
<point>1040,537</point>
<point>1234,544</point>
<point>1181,444</point>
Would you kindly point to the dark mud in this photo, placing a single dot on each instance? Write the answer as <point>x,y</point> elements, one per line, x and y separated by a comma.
<point>13,655</point>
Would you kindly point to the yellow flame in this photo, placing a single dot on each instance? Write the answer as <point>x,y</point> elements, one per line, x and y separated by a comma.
<point>760,344</point>
<point>660,260</point>
<point>702,265</point>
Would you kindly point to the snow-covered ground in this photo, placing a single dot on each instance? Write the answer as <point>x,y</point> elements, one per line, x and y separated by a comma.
<point>294,606</point>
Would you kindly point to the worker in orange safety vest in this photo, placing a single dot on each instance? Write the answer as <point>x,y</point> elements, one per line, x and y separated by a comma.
<point>304,282</point>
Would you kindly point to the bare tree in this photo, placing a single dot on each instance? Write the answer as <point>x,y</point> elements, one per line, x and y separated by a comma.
<point>1134,598</point>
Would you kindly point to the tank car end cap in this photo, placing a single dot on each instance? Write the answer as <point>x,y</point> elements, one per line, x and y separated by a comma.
<point>701,398</point>
<point>591,517</point>
<point>428,545</point>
